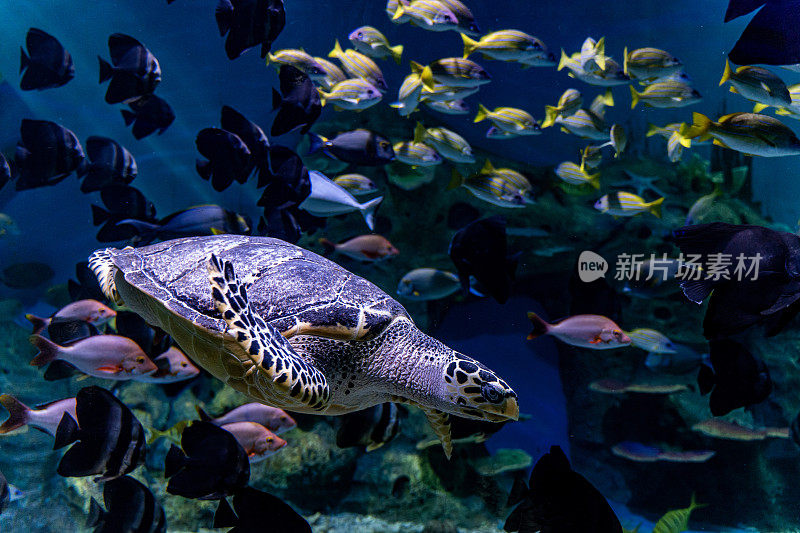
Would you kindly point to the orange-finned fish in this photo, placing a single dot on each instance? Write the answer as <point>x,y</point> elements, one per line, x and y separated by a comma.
<point>91,311</point>
<point>173,366</point>
<point>363,248</point>
<point>46,417</point>
<point>101,356</point>
<point>258,442</point>
<point>585,331</point>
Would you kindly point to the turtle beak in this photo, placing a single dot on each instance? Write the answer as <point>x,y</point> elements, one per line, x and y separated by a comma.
<point>502,412</point>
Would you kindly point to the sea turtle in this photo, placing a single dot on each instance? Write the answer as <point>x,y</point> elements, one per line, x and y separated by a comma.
<point>291,329</point>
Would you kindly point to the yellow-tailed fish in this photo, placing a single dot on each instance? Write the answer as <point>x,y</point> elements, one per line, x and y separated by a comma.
<point>416,154</point>
<point>357,65</point>
<point>355,184</point>
<point>675,145</point>
<point>569,102</point>
<point>610,76</point>
<point>172,433</point>
<point>626,204</point>
<point>792,110</point>
<point>497,133</point>
<point>333,74</point>
<point>354,94</point>
<point>651,340</point>
<point>601,102</point>
<point>370,41</point>
<point>592,56</point>
<point>452,71</point>
<point>391,9</point>
<point>702,206</point>
<point>584,123</point>
<point>650,63</point>
<point>677,520</point>
<point>466,20</point>
<point>430,15</point>
<point>749,133</point>
<point>449,144</point>
<point>298,59</point>
<point>575,174</point>
<point>663,131</point>
<point>510,119</point>
<point>666,94</point>
<point>449,107</point>
<point>408,96</point>
<point>510,45</point>
<point>756,84</point>
<point>591,157</point>
<point>441,92</point>
<point>618,139</point>
<point>503,187</point>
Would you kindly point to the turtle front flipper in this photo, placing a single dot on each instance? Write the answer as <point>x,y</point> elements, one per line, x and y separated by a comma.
<point>270,352</point>
<point>440,422</point>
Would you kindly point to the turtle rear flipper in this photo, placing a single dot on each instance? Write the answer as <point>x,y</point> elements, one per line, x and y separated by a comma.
<point>267,348</point>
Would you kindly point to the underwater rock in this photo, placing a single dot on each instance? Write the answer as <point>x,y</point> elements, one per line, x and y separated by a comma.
<point>503,460</point>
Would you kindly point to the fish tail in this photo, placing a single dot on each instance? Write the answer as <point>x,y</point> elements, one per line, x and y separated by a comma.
<point>469,45</point>
<point>276,99</point>
<point>329,246</point>
<point>652,129</point>
<point>269,58</point>
<point>694,505</point>
<point>202,414</point>
<point>600,53</point>
<point>368,211</point>
<point>456,180</point>
<point>48,350</point>
<point>174,461</point>
<point>426,75</point>
<point>759,107</point>
<point>563,61</point>
<point>24,60</point>
<point>482,114</point>
<point>416,68</point>
<point>700,126</point>
<point>594,180</point>
<point>316,142</point>
<point>634,96</point>
<point>96,514</point>
<point>99,215</point>
<point>17,414</point>
<point>419,132</point>
<point>726,74</point>
<point>224,16</point>
<point>397,52</point>
<point>655,207</point>
<point>106,70</point>
<point>39,323</point>
<point>337,50</point>
<point>550,114</point>
<point>128,117</point>
<point>625,61</point>
<point>398,12</point>
<point>67,432</point>
<point>155,434</point>
<point>607,98</point>
<point>540,327</point>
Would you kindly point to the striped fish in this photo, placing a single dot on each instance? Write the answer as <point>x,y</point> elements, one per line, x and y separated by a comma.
<point>453,71</point>
<point>663,131</point>
<point>333,74</point>
<point>298,59</point>
<point>609,76</point>
<point>574,174</point>
<point>650,63</point>
<point>749,133</point>
<point>466,20</point>
<point>666,94</point>
<point>756,84</point>
<point>449,144</point>
<point>584,123</point>
<point>677,520</point>
<point>391,9</point>
<point>510,119</point>
<point>591,157</point>
<point>357,65</point>
<point>592,56</point>
<point>502,187</point>
<point>496,133</point>
<point>449,107</point>
<point>430,15</point>
<point>370,41</point>
<point>618,139</point>
<point>510,45</point>
<point>441,92</point>
<point>352,94</point>
<point>651,340</point>
<point>416,154</point>
<point>409,95</point>
<point>569,103</point>
<point>355,184</point>
<point>675,146</point>
<point>626,204</point>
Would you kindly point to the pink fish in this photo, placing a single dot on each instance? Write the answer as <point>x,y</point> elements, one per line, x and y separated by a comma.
<point>691,456</point>
<point>173,366</point>
<point>46,417</point>
<point>613,386</point>
<point>101,356</point>
<point>363,248</point>
<point>608,386</point>
<point>257,441</point>
<point>272,418</point>
<point>642,453</point>
<point>585,331</point>
<point>91,311</point>
<point>723,429</point>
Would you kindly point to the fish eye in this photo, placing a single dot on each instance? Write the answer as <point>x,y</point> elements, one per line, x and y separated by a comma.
<point>269,439</point>
<point>184,365</point>
<point>384,144</point>
<point>284,419</point>
<point>140,359</point>
<point>360,34</point>
<point>537,46</point>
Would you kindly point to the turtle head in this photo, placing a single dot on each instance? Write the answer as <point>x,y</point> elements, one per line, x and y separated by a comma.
<point>476,392</point>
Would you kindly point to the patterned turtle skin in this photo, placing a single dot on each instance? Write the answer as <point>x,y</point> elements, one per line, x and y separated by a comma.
<point>294,330</point>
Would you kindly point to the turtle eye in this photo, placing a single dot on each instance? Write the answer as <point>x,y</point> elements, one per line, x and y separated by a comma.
<point>491,393</point>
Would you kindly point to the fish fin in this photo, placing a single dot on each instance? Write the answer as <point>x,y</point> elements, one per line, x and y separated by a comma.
<point>738,8</point>
<point>540,327</point>
<point>419,132</point>
<point>128,116</point>
<point>652,129</point>
<point>634,96</point>
<point>371,447</point>
<point>655,207</point>
<point>99,215</point>
<point>108,369</point>
<point>550,114</point>
<point>440,423</point>
<point>368,211</point>
<point>482,113</point>
<point>106,70</point>
<point>397,53</point>
<point>726,73</point>
<point>155,434</point>
<point>24,60</point>
<point>48,350</point>
<point>759,107</point>
<point>327,245</point>
<point>39,323</point>
<point>456,180</point>
<point>224,16</point>
<point>337,50</point>
<point>277,99</point>
<point>67,431</point>
<point>174,461</point>
<point>17,414</point>
<point>705,379</point>
<point>600,53</point>
<point>96,514</point>
<point>771,37</point>
<point>469,45</point>
<point>563,61</point>
<point>426,75</point>
<point>416,68</point>
<point>700,126</point>
<point>224,515</point>
<point>315,142</point>
<point>398,12</point>
<point>696,290</point>
<point>203,168</point>
<point>205,417</point>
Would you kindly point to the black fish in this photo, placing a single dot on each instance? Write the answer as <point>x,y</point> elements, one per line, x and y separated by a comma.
<point>479,249</point>
<point>228,158</point>
<point>771,37</point>
<point>110,438</point>
<point>359,147</point>
<point>288,183</point>
<point>129,324</point>
<point>27,275</point>
<point>738,378</point>
<point>371,428</point>
<point>794,430</point>
<point>771,299</point>
<point>195,221</point>
<point>110,163</point>
<point>253,137</point>
<point>135,71</point>
<point>6,172</point>
<point>211,466</point>
<point>148,114</point>
<point>299,106</point>
<point>280,224</point>
<point>46,154</point>
<point>560,500</point>
<point>130,507</point>
<point>87,286</point>
<point>46,65</point>
<point>249,23</point>
<point>254,509</point>
<point>121,202</point>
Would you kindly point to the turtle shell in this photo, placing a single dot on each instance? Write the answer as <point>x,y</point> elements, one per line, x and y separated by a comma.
<point>297,291</point>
